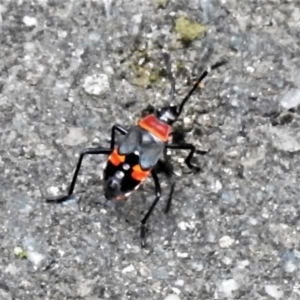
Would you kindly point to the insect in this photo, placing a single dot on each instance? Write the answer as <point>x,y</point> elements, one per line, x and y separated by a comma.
<point>136,157</point>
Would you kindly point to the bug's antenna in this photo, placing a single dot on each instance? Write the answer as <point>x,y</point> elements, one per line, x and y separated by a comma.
<point>167,61</point>
<point>201,77</point>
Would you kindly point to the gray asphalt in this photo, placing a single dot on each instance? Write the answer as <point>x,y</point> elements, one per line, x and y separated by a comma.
<point>68,72</point>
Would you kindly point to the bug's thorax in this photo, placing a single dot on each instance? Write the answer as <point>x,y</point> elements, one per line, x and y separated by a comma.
<point>156,126</point>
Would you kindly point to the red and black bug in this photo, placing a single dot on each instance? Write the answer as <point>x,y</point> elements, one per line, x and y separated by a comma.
<point>139,153</point>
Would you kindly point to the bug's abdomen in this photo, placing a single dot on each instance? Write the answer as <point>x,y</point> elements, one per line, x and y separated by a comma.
<point>122,175</point>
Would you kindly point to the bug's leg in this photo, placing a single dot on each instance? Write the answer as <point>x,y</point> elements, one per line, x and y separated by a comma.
<point>115,128</point>
<point>165,167</point>
<point>146,217</point>
<point>167,61</point>
<point>92,151</point>
<point>190,155</point>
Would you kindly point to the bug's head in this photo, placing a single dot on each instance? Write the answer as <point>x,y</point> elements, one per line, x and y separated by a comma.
<point>168,114</point>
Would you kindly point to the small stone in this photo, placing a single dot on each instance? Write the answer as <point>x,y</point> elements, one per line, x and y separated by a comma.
<point>42,150</point>
<point>108,7</point>
<point>291,99</point>
<point>216,186</point>
<point>136,22</point>
<point>183,225</point>
<point>182,255</point>
<point>228,198</point>
<point>160,273</point>
<point>53,190</point>
<point>144,271</point>
<point>85,288</point>
<point>23,204</point>
<point>274,291</point>
<point>29,21</point>
<point>237,42</point>
<point>243,264</point>
<point>75,137</point>
<point>96,85</point>
<point>250,69</point>
<point>284,139</point>
<point>291,261</point>
<point>172,297</point>
<point>35,257</point>
<point>11,269</point>
<point>128,269</point>
<point>208,8</point>
<point>179,282</point>
<point>211,236</point>
<point>197,266</point>
<point>227,287</point>
<point>227,261</point>
<point>226,241</point>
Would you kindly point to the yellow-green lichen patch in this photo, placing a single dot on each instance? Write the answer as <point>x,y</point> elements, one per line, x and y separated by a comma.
<point>188,31</point>
<point>161,3</point>
<point>146,69</point>
<point>20,253</point>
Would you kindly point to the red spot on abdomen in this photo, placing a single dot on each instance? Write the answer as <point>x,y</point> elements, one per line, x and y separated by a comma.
<point>115,158</point>
<point>159,129</point>
<point>138,174</point>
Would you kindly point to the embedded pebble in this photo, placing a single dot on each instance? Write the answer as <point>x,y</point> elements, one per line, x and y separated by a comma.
<point>182,255</point>
<point>53,190</point>
<point>183,225</point>
<point>23,204</point>
<point>35,257</point>
<point>237,42</point>
<point>274,291</point>
<point>29,21</point>
<point>243,264</point>
<point>128,269</point>
<point>291,99</point>
<point>136,22</point>
<point>227,261</point>
<point>179,282</point>
<point>85,288</point>
<point>197,266</point>
<point>42,150</point>
<point>160,273</point>
<point>227,287</point>
<point>216,186</point>
<point>96,85</point>
<point>226,241</point>
<point>75,137</point>
<point>172,297</point>
<point>228,198</point>
<point>207,8</point>
<point>108,7</point>
<point>284,139</point>
<point>144,271</point>
<point>11,269</point>
<point>291,261</point>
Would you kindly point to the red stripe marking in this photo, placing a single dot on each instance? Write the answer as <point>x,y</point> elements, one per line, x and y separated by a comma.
<point>156,127</point>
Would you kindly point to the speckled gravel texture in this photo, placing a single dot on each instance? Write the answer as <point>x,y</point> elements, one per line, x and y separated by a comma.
<point>233,230</point>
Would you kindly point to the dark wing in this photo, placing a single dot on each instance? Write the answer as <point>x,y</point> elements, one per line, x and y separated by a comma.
<point>148,147</point>
<point>131,141</point>
<point>150,150</point>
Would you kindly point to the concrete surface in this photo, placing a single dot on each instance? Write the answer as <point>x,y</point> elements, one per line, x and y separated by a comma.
<point>66,77</point>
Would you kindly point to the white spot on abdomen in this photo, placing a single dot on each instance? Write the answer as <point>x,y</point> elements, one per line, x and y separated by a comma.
<point>126,167</point>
